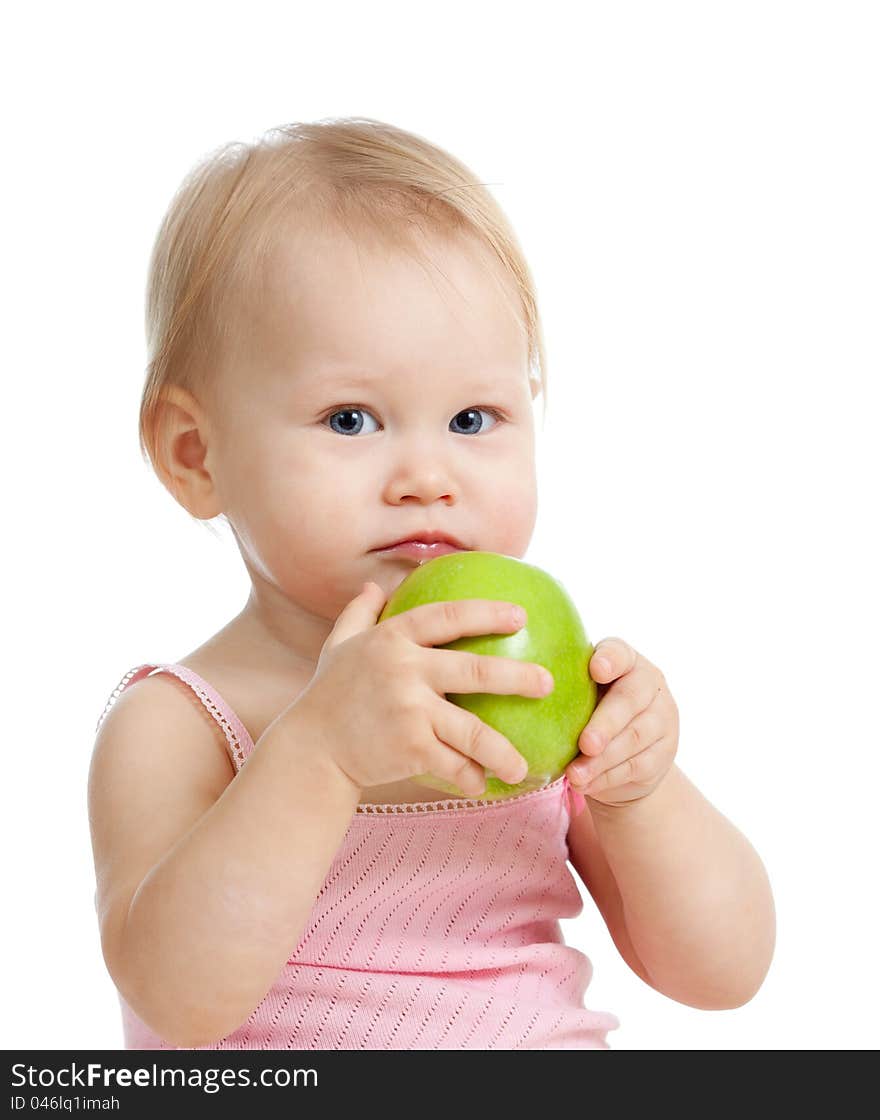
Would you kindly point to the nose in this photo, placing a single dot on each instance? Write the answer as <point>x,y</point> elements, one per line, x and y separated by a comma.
<point>425,487</point>
<point>421,474</point>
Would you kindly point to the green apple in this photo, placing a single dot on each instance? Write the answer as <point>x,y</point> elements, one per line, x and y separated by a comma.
<point>545,730</point>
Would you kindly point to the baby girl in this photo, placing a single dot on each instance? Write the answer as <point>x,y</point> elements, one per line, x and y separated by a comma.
<point>345,351</point>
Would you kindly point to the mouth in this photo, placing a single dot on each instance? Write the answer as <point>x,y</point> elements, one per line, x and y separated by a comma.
<point>424,546</point>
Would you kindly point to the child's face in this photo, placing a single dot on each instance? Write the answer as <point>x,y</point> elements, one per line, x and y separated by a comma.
<point>311,487</point>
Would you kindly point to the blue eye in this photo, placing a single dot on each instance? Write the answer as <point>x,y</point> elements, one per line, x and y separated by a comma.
<point>352,424</point>
<point>472,416</point>
<point>349,426</point>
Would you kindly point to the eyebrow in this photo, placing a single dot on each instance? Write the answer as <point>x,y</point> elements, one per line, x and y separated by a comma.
<point>339,379</point>
<point>334,378</point>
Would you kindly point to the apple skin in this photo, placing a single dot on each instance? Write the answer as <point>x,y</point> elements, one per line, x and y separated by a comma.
<point>545,730</point>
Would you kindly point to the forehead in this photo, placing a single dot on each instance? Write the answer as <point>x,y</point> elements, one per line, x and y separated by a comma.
<point>337,304</point>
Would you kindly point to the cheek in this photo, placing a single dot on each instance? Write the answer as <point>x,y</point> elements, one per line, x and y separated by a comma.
<point>308,508</point>
<point>514,511</point>
<point>304,515</point>
<point>303,537</point>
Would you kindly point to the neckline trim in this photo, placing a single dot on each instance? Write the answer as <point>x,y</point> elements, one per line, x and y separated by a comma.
<point>456,804</point>
<point>242,745</point>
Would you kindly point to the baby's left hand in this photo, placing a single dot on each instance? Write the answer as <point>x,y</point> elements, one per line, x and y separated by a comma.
<point>631,738</point>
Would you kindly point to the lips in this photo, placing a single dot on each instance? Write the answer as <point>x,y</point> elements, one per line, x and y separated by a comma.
<point>423,547</point>
<point>423,539</point>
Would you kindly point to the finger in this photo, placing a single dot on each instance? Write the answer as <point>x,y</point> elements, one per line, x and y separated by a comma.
<point>452,671</point>
<point>454,772</point>
<point>360,614</point>
<point>611,658</point>
<point>639,770</point>
<point>646,728</point>
<point>460,777</point>
<point>471,737</point>
<point>436,624</point>
<point>621,703</point>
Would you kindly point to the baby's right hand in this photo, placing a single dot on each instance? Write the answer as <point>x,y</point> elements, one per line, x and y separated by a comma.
<point>378,693</point>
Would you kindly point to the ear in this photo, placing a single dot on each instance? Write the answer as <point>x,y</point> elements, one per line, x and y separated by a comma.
<point>184,441</point>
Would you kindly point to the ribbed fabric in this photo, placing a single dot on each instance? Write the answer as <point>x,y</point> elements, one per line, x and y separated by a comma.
<point>436,928</point>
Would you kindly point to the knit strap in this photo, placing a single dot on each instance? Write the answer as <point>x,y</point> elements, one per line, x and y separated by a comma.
<point>238,739</point>
<point>240,744</point>
<point>136,674</point>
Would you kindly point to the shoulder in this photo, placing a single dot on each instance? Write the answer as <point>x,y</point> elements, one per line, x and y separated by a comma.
<point>156,768</point>
<point>160,721</point>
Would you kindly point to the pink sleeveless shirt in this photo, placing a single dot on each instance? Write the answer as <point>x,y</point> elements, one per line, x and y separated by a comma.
<point>436,928</point>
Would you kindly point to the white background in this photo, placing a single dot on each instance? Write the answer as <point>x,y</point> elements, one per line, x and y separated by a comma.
<point>696,188</point>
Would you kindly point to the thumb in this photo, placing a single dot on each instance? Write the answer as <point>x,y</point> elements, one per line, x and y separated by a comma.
<point>358,615</point>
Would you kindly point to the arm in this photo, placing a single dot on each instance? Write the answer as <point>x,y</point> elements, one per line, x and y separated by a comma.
<point>682,889</point>
<point>222,906</point>
<point>685,896</point>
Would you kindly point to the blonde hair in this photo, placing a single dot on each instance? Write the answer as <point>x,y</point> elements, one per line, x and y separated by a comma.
<point>209,253</point>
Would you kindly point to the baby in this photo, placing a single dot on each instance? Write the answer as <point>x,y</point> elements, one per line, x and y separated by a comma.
<point>345,351</point>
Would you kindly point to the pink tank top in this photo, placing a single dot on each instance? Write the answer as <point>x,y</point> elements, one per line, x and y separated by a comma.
<point>436,928</point>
